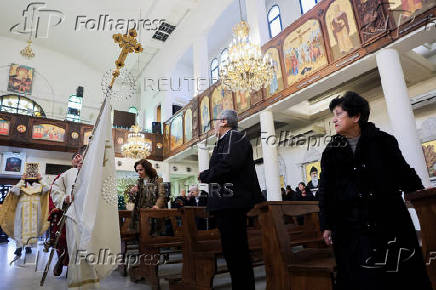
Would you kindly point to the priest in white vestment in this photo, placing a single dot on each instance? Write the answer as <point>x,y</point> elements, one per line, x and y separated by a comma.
<point>24,213</point>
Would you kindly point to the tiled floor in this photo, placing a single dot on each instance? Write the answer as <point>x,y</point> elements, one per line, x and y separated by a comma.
<point>20,276</point>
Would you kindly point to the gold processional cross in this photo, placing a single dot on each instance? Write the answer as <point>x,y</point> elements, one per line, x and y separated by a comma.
<point>128,44</point>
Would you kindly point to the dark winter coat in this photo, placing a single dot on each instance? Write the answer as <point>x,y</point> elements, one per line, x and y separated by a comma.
<point>360,201</point>
<point>231,166</point>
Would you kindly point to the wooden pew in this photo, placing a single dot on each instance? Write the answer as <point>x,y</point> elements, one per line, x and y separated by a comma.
<point>202,248</point>
<point>312,266</point>
<point>128,236</point>
<point>151,244</point>
<point>424,202</point>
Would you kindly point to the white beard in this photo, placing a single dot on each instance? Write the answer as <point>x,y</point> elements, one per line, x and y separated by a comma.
<point>315,182</point>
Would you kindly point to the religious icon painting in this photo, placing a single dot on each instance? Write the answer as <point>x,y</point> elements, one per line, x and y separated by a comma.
<point>308,167</point>
<point>304,51</point>
<point>204,115</point>
<point>4,127</point>
<point>405,10</point>
<point>429,149</point>
<point>188,125</point>
<point>227,98</point>
<point>217,102</point>
<point>13,163</point>
<point>242,101</point>
<point>20,79</point>
<point>342,28</point>
<point>176,131</point>
<point>277,80</point>
<point>48,132</point>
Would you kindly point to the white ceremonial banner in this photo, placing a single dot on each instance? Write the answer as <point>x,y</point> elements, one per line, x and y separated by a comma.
<point>94,212</point>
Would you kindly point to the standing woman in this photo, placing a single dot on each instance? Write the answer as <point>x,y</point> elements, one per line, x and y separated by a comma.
<point>362,212</point>
<point>148,192</point>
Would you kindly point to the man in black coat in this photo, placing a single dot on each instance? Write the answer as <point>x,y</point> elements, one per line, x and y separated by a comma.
<point>362,213</point>
<point>233,191</point>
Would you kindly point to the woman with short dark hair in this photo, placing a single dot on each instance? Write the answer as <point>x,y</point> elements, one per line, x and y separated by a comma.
<point>148,192</point>
<point>362,212</point>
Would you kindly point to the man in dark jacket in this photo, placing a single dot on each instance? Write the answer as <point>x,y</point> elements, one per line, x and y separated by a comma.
<point>362,213</point>
<point>233,191</point>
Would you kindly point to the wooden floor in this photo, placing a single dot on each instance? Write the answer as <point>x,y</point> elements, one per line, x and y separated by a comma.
<point>24,277</point>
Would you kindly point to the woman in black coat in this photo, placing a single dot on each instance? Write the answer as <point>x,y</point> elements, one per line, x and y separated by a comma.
<point>362,212</point>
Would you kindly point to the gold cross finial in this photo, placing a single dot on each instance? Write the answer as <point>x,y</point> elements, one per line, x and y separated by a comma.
<point>128,44</point>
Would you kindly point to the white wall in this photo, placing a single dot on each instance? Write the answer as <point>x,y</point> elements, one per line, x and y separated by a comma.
<point>42,157</point>
<point>56,77</point>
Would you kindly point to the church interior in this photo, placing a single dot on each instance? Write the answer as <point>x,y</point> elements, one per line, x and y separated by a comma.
<point>167,70</point>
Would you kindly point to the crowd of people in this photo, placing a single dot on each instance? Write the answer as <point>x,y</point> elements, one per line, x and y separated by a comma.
<point>354,195</point>
<point>303,192</point>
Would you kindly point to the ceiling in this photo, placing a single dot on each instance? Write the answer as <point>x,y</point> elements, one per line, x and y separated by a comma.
<point>75,37</point>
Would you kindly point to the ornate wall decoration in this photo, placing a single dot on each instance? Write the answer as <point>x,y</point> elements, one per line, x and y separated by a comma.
<point>176,131</point>
<point>304,51</point>
<point>4,127</point>
<point>372,18</point>
<point>188,125</point>
<point>342,28</point>
<point>277,80</point>
<point>204,115</point>
<point>48,132</point>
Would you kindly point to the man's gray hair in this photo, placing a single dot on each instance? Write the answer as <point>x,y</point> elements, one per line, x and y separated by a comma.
<point>231,117</point>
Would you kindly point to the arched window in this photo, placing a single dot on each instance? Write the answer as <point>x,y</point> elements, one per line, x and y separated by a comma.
<point>133,110</point>
<point>274,21</point>
<point>214,71</point>
<point>306,5</point>
<point>74,108</point>
<point>224,56</point>
<point>20,105</point>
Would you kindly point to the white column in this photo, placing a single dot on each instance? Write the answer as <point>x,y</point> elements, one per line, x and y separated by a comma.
<point>256,18</point>
<point>203,163</point>
<point>166,106</point>
<point>200,64</point>
<point>270,159</point>
<point>165,171</point>
<point>203,157</point>
<point>400,111</point>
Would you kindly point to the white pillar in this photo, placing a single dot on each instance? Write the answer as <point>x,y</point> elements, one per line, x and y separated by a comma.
<point>166,106</point>
<point>200,64</point>
<point>165,171</point>
<point>203,157</point>
<point>270,159</point>
<point>256,18</point>
<point>400,111</point>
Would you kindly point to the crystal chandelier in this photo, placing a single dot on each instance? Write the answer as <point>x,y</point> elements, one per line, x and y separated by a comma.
<point>136,147</point>
<point>245,69</point>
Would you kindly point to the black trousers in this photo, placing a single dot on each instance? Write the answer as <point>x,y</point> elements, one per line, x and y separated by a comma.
<point>232,224</point>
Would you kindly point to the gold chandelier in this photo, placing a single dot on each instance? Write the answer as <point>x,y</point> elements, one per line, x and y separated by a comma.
<point>136,147</point>
<point>245,69</point>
